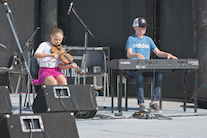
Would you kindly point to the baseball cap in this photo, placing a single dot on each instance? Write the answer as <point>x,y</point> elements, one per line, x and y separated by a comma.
<point>140,21</point>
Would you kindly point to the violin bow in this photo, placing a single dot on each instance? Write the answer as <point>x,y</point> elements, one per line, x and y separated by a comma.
<point>69,50</point>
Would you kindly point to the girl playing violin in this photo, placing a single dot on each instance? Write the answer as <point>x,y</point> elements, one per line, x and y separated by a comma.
<point>50,63</point>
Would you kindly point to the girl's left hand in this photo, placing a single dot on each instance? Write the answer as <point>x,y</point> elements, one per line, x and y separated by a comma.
<point>74,65</point>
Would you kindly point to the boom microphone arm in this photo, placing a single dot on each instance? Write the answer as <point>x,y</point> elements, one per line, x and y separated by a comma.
<point>8,12</point>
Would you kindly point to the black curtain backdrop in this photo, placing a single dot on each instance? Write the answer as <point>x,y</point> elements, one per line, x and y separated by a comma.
<point>176,32</point>
<point>25,21</point>
<point>109,21</point>
<point>111,24</point>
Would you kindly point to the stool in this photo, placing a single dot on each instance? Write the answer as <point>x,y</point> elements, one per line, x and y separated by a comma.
<point>127,79</point>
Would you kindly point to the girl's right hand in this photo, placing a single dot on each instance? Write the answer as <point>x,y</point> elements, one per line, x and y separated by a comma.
<point>54,55</point>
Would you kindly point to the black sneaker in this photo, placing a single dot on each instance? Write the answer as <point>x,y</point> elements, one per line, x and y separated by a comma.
<point>155,108</point>
<point>142,108</point>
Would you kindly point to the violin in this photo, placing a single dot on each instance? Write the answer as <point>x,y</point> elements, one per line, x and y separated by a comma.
<point>64,56</point>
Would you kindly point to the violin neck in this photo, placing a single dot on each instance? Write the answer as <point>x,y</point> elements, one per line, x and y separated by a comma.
<point>78,70</point>
<point>66,56</point>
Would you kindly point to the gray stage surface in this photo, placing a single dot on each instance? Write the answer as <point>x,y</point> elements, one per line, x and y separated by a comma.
<point>172,123</point>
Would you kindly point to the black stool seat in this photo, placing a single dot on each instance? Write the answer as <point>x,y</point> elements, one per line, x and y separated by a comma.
<point>127,79</point>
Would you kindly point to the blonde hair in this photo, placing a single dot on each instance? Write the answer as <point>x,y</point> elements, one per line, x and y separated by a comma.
<point>57,30</point>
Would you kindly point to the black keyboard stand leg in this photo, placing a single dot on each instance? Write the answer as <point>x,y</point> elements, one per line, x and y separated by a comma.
<point>195,97</point>
<point>126,97</point>
<point>120,93</point>
<point>112,90</point>
<point>184,92</point>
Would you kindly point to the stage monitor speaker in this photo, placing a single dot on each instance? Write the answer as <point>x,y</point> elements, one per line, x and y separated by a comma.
<point>5,102</point>
<point>79,99</point>
<point>46,125</point>
<point>202,96</point>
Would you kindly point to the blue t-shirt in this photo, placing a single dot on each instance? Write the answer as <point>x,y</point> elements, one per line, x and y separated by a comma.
<point>143,45</point>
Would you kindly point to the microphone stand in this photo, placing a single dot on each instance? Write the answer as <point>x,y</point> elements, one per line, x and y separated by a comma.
<point>28,44</point>
<point>3,46</point>
<point>87,30</point>
<point>8,12</point>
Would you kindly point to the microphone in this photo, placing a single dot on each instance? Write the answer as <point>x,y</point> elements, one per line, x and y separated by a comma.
<point>14,61</point>
<point>70,7</point>
<point>14,55</point>
<point>6,5</point>
<point>3,46</point>
<point>3,1</point>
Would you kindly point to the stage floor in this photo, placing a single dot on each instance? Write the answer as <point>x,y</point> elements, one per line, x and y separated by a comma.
<point>172,123</point>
